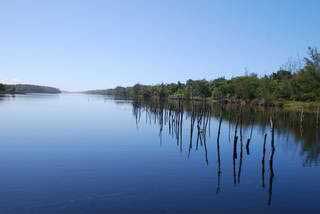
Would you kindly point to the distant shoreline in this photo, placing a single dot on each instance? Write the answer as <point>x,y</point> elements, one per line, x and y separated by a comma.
<point>27,89</point>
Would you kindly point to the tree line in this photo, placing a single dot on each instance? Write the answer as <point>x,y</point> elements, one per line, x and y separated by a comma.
<point>2,88</point>
<point>292,82</point>
<point>26,88</point>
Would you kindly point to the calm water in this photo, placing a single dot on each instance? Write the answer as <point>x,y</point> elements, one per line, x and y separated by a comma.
<point>90,154</point>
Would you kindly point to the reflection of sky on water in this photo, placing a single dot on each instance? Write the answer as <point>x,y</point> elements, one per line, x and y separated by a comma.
<point>78,153</point>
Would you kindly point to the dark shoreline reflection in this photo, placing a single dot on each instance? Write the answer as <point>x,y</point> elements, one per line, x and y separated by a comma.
<point>242,122</point>
<point>287,123</point>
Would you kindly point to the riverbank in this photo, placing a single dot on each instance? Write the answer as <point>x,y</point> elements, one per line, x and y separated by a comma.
<point>286,105</point>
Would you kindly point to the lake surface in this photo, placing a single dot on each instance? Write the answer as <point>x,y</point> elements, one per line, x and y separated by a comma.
<point>92,154</point>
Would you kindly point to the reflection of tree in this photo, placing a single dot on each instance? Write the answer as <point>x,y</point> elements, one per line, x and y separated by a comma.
<point>263,161</point>
<point>235,155</point>
<point>192,121</point>
<point>219,172</point>
<point>171,116</point>
<point>241,149</point>
<point>249,139</point>
<point>202,124</point>
<point>271,171</point>
<point>288,122</point>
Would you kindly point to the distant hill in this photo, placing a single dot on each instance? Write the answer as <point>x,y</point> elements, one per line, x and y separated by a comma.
<point>25,89</point>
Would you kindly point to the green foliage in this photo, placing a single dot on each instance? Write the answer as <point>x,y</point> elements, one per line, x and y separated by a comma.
<point>302,84</point>
<point>2,88</point>
<point>198,88</point>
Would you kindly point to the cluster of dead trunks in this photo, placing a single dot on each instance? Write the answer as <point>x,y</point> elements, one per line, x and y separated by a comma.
<point>199,115</point>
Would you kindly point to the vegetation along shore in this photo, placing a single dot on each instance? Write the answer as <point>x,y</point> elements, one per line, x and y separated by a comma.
<point>25,89</point>
<point>294,86</point>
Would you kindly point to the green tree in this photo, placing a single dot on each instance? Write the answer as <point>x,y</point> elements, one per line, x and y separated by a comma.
<point>2,88</point>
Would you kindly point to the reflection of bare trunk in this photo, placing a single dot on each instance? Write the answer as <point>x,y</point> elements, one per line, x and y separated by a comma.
<point>240,163</point>
<point>301,121</point>
<point>241,150</point>
<point>198,136</point>
<point>169,125</point>
<point>271,171</point>
<point>177,130</point>
<point>209,117</point>
<point>249,140</point>
<point>318,109</point>
<point>161,125</point>
<point>272,133</point>
<point>229,130</point>
<point>235,140</point>
<point>234,170</point>
<point>218,155</point>
<point>202,125</point>
<point>137,113</point>
<point>263,160</point>
<point>271,175</point>
<point>192,120</point>
<point>180,129</point>
<point>205,148</point>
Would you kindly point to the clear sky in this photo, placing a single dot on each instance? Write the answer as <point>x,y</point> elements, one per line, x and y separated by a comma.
<point>94,44</point>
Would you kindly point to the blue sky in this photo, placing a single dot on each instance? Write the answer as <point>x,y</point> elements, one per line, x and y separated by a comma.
<point>76,45</point>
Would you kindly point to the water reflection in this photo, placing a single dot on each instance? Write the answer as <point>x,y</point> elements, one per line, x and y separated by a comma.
<point>263,161</point>
<point>242,122</point>
<point>219,172</point>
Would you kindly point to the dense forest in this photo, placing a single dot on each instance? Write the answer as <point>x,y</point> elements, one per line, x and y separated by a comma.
<point>298,81</point>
